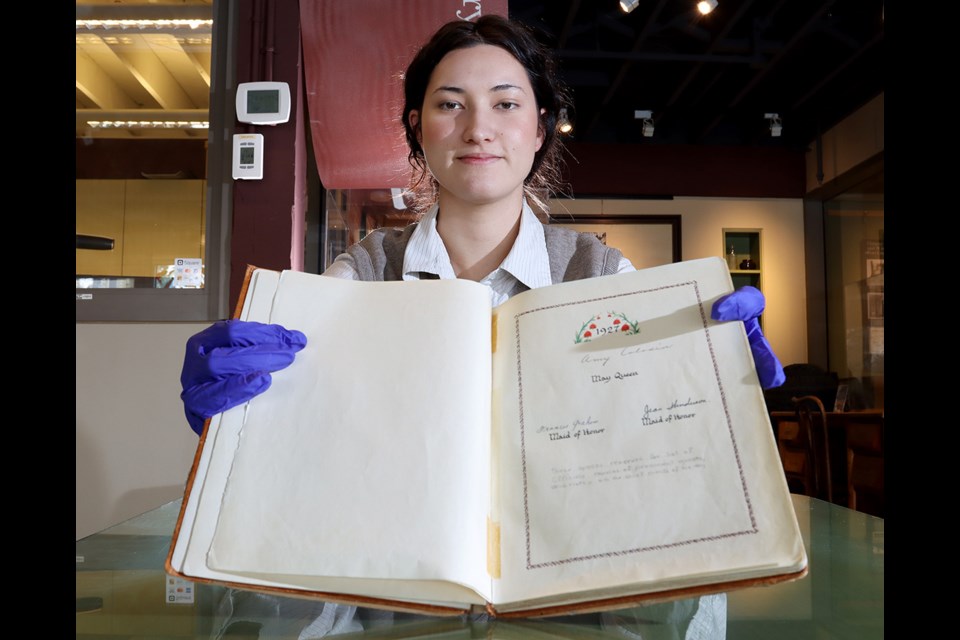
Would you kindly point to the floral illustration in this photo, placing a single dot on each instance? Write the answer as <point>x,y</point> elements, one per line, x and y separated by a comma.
<point>606,324</point>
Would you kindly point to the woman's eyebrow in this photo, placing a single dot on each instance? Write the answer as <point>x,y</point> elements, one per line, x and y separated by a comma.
<point>499,87</point>
<point>506,87</point>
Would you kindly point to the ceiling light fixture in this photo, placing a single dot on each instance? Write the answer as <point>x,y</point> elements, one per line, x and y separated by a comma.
<point>144,24</point>
<point>628,5</point>
<point>563,122</point>
<point>706,6</point>
<point>776,125</point>
<point>148,124</point>
<point>647,117</point>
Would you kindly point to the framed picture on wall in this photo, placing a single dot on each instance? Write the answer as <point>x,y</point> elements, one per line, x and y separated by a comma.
<point>647,241</point>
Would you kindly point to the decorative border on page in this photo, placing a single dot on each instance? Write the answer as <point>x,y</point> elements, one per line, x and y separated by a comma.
<point>616,322</point>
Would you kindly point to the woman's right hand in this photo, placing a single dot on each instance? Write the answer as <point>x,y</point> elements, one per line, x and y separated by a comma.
<point>230,362</point>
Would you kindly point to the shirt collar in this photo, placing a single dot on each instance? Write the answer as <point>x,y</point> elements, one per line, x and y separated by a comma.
<point>425,251</point>
<point>527,261</point>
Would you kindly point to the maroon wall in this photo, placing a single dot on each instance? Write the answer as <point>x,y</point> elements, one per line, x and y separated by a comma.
<point>592,169</point>
<point>685,170</point>
<point>268,49</point>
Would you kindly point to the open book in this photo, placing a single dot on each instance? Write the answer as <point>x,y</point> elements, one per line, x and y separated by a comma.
<point>605,443</point>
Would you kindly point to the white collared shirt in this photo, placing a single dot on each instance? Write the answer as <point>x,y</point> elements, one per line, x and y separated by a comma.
<point>527,262</point>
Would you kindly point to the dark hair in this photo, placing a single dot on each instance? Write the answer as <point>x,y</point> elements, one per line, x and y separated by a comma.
<point>534,57</point>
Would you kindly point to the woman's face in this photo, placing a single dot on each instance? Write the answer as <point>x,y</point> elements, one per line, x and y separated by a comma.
<point>479,126</point>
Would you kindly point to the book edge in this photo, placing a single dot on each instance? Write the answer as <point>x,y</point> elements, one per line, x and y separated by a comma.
<point>191,475</point>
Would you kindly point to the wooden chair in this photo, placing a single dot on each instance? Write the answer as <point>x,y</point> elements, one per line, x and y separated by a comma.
<point>804,445</point>
<point>865,465</point>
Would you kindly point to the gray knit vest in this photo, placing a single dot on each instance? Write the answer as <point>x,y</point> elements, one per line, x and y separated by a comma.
<point>573,255</point>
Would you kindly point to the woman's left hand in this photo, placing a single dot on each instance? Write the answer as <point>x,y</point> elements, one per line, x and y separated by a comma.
<point>746,304</point>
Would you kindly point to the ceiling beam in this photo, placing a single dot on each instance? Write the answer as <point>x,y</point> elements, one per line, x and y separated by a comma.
<point>98,87</point>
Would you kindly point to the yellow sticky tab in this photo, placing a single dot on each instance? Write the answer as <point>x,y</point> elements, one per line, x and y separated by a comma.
<point>493,548</point>
<point>493,338</point>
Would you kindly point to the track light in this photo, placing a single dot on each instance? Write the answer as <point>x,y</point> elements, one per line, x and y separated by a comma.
<point>563,122</point>
<point>647,117</point>
<point>706,6</point>
<point>776,125</point>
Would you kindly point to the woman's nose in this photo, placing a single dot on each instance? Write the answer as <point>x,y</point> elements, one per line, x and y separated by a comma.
<point>477,126</point>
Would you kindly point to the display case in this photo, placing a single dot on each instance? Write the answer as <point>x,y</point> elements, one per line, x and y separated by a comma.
<point>743,253</point>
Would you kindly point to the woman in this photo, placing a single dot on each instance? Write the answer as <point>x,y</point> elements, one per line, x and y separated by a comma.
<point>481,106</point>
<point>481,103</point>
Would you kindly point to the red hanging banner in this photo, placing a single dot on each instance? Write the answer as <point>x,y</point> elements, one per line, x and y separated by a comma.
<point>354,55</point>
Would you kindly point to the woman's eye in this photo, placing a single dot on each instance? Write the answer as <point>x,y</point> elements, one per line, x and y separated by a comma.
<point>508,105</point>
<point>449,105</point>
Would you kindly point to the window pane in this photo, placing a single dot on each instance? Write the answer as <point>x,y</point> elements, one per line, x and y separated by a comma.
<point>854,264</point>
<point>143,73</point>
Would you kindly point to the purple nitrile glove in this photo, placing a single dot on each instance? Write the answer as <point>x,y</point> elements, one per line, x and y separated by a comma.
<point>230,362</point>
<point>746,304</point>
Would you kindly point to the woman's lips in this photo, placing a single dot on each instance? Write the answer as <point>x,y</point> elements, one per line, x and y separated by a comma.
<point>478,158</point>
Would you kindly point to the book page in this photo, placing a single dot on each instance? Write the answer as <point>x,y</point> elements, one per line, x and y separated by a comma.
<point>368,458</point>
<point>202,498</point>
<point>634,444</point>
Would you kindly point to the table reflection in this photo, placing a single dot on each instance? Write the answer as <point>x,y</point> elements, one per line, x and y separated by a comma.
<point>123,591</point>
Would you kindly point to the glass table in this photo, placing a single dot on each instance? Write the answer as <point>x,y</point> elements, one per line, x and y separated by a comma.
<point>123,592</point>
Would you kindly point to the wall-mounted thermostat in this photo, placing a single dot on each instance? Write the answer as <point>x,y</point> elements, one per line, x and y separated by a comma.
<point>248,156</point>
<point>263,102</point>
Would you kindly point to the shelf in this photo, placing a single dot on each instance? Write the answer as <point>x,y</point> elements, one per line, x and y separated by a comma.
<point>746,245</point>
